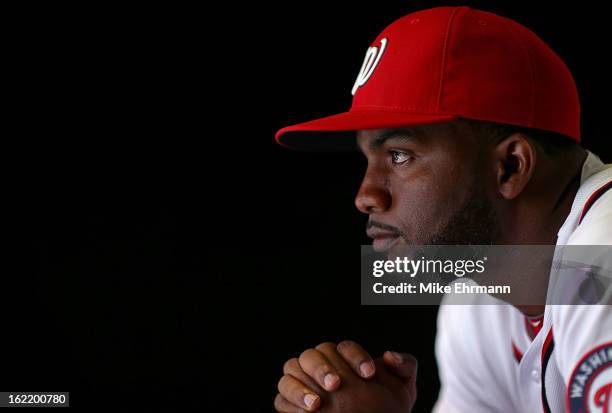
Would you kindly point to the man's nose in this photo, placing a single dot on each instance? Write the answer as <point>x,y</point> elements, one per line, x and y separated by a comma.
<point>373,195</point>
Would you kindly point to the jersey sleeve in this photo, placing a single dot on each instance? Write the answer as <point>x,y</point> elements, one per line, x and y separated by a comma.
<point>583,333</point>
<point>584,354</point>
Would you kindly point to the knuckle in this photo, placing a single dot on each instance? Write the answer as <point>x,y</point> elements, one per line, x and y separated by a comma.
<point>353,352</point>
<point>291,365</point>
<point>282,405</point>
<point>327,346</point>
<point>306,355</point>
<point>289,389</point>
<point>347,345</point>
<point>411,360</point>
<point>278,402</point>
<point>282,385</point>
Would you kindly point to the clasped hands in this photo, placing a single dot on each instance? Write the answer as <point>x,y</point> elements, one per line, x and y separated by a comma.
<point>334,378</point>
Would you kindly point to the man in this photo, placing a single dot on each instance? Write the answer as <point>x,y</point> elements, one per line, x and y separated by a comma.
<point>470,126</point>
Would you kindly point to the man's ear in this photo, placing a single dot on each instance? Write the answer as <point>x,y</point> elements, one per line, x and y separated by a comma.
<point>515,159</point>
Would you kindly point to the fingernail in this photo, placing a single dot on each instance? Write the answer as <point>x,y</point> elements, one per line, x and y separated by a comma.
<point>309,400</point>
<point>330,380</point>
<point>397,356</point>
<point>366,368</point>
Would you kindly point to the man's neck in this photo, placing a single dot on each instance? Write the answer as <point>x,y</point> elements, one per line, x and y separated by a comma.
<point>542,217</point>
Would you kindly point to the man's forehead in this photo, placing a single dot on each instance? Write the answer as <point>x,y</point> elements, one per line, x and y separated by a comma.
<point>374,138</point>
<point>420,133</point>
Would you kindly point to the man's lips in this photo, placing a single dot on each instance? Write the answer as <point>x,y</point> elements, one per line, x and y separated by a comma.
<point>375,232</point>
<point>383,239</point>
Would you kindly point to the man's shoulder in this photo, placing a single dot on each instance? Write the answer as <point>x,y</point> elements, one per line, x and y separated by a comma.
<point>590,220</point>
<point>595,226</point>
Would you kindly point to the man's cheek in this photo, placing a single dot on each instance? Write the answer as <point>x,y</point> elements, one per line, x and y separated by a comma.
<point>419,216</point>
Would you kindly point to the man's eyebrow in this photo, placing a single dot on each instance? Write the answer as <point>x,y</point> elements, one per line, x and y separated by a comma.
<point>396,134</point>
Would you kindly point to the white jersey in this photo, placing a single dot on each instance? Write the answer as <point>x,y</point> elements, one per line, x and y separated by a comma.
<point>492,358</point>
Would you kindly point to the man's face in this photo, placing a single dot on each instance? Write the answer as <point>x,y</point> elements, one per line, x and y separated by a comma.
<point>426,185</point>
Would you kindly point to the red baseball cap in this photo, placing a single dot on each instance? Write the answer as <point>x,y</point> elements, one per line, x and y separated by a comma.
<point>446,63</point>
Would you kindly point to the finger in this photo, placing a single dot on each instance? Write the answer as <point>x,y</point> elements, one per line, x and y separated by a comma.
<point>359,360</point>
<point>292,367</point>
<point>282,405</point>
<point>403,365</point>
<point>335,359</point>
<point>316,365</point>
<point>298,394</point>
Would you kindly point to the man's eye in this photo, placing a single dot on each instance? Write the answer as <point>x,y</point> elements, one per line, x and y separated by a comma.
<point>398,157</point>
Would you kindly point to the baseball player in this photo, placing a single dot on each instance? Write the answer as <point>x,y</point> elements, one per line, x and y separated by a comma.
<point>470,126</point>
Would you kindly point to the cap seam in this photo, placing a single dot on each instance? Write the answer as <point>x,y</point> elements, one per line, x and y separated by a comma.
<point>444,50</point>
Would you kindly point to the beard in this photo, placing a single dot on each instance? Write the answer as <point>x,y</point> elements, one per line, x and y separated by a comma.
<point>473,223</point>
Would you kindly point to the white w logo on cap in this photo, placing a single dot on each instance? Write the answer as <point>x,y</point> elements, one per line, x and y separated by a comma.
<point>370,62</point>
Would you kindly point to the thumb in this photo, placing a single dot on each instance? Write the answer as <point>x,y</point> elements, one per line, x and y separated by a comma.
<point>402,365</point>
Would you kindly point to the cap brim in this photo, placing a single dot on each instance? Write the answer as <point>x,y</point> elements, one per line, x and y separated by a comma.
<point>335,132</point>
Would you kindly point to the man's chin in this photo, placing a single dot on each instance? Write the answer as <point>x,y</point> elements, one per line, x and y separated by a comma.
<point>394,247</point>
<point>403,250</point>
<point>386,244</point>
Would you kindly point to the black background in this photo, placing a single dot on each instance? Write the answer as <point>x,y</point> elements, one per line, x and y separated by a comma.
<point>169,253</point>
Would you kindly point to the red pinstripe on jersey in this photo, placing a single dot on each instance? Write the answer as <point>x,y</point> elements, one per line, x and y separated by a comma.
<point>547,349</point>
<point>593,198</point>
